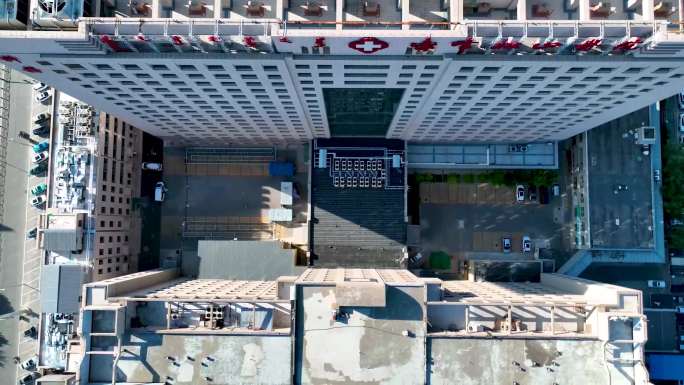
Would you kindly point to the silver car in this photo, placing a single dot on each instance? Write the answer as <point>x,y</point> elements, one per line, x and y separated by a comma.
<point>43,96</point>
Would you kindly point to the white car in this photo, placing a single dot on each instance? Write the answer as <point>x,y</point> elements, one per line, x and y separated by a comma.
<point>43,96</point>
<point>152,166</point>
<point>29,378</point>
<point>506,245</point>
<point>526,244</point>
<point>159,192</point>
<point>656,283</point>
<point>520,193</point>
<point>30,364</point>
<point>40,86</point>
<point>40,157</point>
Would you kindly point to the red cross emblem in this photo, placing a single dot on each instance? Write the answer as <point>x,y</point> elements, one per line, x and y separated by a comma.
<point>368,45</point>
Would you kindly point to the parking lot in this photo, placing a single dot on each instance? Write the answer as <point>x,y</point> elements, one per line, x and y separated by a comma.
<point>227,201</point>
<point>20,259</point>
<point>620,182</point>
<point>470,220</point>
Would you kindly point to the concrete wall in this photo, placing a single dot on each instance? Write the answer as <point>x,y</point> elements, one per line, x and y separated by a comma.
<point>368,347</point>
<point>507,361</point>
<point>595,293</point>
<point>136,281</point>
<point>451,317</point>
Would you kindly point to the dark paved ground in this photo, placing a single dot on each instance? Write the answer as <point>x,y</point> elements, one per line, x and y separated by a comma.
<point>614,159</point>
<point>153,151</point>
<point>213,198</point>
<point>662,325</point>
<point>474,230</point>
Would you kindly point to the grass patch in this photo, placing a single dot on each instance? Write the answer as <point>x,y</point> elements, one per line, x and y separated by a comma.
<point>440,260</point>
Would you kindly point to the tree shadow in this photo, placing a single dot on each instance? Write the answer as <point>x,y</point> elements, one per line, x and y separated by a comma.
<point>5,305</point>
<point>3,357</point>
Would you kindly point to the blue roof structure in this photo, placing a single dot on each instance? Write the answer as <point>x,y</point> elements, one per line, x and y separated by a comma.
<point>665,366</point>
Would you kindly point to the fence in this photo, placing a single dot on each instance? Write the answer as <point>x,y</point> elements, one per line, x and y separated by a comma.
<point>4,129</point>
<point>4,134</point>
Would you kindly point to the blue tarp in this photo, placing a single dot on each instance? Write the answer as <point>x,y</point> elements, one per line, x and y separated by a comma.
<point>665,366</point>
<point>280,169</point>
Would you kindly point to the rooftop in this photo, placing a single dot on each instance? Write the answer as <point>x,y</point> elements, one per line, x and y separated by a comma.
<point>380,321</point>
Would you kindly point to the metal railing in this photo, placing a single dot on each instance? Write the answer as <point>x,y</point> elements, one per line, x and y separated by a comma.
<point>5,79</point>
<point>271,27</point>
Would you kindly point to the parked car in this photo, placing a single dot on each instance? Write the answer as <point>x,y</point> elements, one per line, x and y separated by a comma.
<point>39,189</point>
<point>37,201</point>
<point>680,309</point>
<point>31,332</point>
<point>526,244</point>
<point>41,129</point>
<point>38,169</point>
<point>676,222</point>
<point>543,195</point>
<point>40,157</point>
<point>152,166</point>
<point>159,192</point>
<point>681,122</point>
<point>31,234</point>
<point>42,146</point>
<point>556,189</point>
<point>40,86</point>
<point>532,192</point>
<point>29,379</point>
<point>30,364</point>
<point>656,283</point>
<point>681,101</point>
<point>45,116</point>
<point>43,96</point>
<point>520,193</point>
<point>656,175</point>
<point>506,245</point>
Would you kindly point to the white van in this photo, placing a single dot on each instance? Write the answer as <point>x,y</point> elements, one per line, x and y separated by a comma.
<point>159,192</point>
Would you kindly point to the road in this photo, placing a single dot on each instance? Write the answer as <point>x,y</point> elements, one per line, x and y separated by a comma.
<point>20,259</point>
<point>14,221</point>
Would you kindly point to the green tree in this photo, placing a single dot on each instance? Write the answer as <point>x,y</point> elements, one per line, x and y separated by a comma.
<point>673,181</point>
<point>675,238</point>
